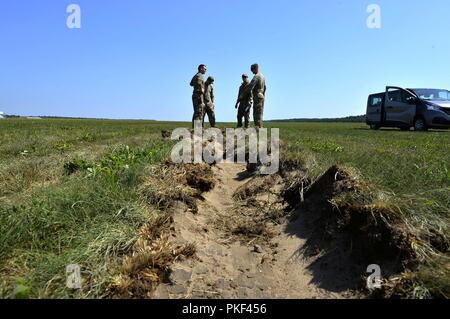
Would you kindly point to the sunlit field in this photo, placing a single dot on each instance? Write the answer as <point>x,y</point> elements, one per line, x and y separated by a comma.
<point>71,192</point>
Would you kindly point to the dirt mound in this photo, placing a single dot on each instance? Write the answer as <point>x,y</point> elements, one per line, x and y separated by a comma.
<point>335,181</point>
<point>294,190</point>
<point>377,232</point>
<point>345,202</point>
<point>346,222</point>
<point>256,186</point>
<point>199,176</point>
<point>296,182</point>
<point>291,165</point>
<point>165,184</point>
<point>149,262</point>
<point>165,134</point>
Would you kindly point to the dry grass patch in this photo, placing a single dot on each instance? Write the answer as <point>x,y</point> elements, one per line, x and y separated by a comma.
<point>150,260</point>
<point>164,184</point>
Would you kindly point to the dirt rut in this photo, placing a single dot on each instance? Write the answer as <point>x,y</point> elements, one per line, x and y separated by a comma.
<point>227,267</point>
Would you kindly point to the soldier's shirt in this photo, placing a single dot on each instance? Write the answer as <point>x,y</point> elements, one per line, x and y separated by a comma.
<point>209,94</point>
<point>198,83</point>
<point>258,86</point>
<point>243,95</point>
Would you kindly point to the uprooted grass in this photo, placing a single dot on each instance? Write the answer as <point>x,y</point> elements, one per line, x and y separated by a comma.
<point>257,209</point>
<point>150,260</point>
<point>345,203</point>
<point>377,230</point>
<point>256,186</point>
<point>162,185</point>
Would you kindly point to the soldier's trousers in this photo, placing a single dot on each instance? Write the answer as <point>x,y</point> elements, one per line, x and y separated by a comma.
<point>243,114</point>
<point>258,111</point>
<point>198,108</point>
<point>209,110</point>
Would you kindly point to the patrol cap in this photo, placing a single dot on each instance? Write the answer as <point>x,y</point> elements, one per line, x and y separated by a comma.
<point>244,75</point>
<point>210,79</point>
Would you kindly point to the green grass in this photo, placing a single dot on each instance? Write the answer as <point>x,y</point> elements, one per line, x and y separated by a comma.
<point>50,218</point>
<point>70,192</point>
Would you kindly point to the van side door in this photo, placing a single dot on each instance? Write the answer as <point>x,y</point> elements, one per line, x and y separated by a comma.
<point>374,108</point>
<point>399,107</point>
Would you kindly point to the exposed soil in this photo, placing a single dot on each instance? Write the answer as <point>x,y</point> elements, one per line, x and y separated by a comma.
<point>246,246</point>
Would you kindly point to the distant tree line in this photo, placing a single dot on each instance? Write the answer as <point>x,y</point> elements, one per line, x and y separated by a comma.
<point>354,119</point>
<point>60,117</point>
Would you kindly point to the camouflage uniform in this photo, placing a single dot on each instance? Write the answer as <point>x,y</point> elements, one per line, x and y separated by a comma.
<point>258,88</point>
<point>198,84</point>
<point>245,100</point>
<point>209,102</point>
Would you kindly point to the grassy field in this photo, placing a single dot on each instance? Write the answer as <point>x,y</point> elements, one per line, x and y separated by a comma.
<point>71,192</point>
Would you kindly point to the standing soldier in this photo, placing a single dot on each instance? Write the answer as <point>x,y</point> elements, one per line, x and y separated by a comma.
<point>209,102</point>
<point>198,84</point>
<point>244,103</point>
<point>258,89</point>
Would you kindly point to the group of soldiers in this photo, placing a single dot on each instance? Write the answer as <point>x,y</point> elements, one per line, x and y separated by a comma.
<point>251,94</point>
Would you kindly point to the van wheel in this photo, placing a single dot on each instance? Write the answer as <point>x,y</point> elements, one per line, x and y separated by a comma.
<point>419,125</point>
<point>374,127</point>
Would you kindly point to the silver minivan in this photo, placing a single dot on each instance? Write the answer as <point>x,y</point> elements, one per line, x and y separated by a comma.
<point>406,108</point>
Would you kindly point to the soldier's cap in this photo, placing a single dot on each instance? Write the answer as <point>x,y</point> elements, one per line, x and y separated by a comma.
<point>244,75</point>
<point>210,79</point>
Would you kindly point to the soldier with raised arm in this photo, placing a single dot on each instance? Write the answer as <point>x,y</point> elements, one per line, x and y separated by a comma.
<point>198,84</point>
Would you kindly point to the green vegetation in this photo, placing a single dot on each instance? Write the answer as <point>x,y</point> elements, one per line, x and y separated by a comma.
<point>354,119</point>
<point>74,204</point>
<point>71,192</point>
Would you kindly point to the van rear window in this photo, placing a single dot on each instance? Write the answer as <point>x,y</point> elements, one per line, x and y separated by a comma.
<point>376,101</point>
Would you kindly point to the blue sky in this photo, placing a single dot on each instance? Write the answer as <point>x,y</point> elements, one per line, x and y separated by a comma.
<point>134,59</point>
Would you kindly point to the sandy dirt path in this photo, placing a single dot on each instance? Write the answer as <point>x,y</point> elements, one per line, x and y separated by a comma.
<point>229,268</point>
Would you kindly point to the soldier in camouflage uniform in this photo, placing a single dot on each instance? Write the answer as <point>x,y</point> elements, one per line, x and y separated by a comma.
<point>198,84</point>
<point>209,102</point>
<point>258,88</point>
<point>244,103</point>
